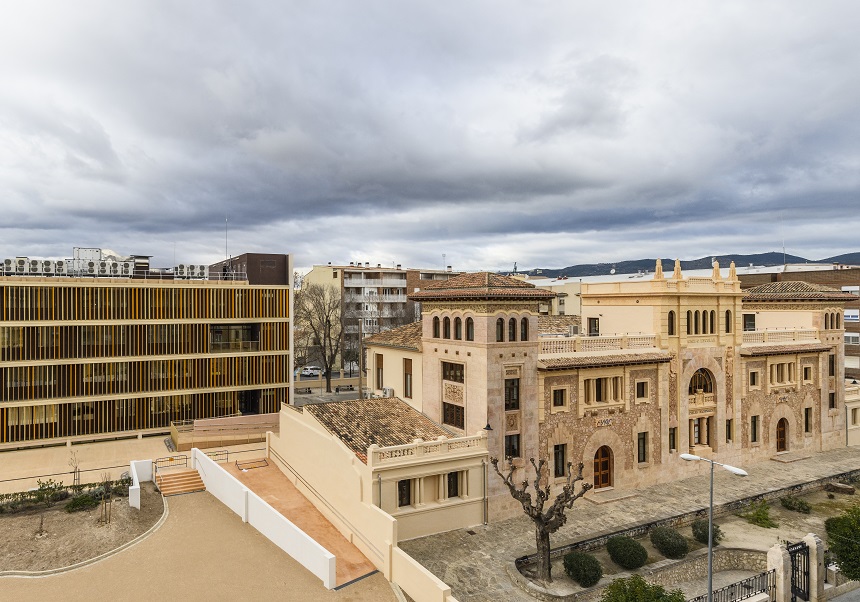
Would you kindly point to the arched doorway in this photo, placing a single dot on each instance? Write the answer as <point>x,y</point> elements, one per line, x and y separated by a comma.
<point>603,467</point>
<point>782,435</point>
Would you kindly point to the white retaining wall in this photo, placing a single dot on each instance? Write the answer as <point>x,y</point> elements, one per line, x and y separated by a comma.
<point>268,521</point>
<point>141,470</point>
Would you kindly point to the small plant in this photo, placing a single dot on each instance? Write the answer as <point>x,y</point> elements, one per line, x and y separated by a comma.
<point>759,514</point>
<point>831,496</point>
<point>583,568</point>
<point>700,531</point>
<point>636,589</point>
<point>791,502</point>
<point>669,542</point>
<point>626,552</point>
<point>81,502</point>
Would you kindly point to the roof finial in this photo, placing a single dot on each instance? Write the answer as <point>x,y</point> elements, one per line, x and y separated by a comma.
<point>733,275</point>
<point>677,275</point>
<point>717,276</point>
<point>658,270</point>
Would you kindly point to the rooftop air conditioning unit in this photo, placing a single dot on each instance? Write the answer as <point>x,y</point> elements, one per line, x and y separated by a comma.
<point>48,267</point>
<point>8,266</point>
<point>572,331</point>
<point>103,268</point>
<point>90,267</point>
<point>21,265</point>
<point>60,266</point>
<point>203,272</point>
<point>113,268</point>
<point>35,266</point>
<point>387,392</point>
<point>126,268</point>
<point>180,271</point>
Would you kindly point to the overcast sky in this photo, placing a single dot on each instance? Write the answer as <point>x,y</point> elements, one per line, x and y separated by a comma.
<point>546,133</point>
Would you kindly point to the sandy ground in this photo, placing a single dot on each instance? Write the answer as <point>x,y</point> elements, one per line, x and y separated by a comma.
<point>73,537</point>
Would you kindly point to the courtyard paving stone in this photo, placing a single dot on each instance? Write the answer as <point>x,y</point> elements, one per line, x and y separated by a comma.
<point>474,565</point>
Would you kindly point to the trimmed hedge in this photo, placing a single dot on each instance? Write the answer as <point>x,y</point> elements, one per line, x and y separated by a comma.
<point>700,531</point>
<point>790,502</point>
<point>84,501</point>
<point>626,552</point>
<point>583,568</point>
<point>669,542</point>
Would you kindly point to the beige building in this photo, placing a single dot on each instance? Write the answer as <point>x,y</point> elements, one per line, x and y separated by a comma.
<point>374,298</point>
<point>852,411</point>
<point>664,365</point>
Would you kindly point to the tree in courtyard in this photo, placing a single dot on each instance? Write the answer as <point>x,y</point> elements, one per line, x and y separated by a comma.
<point>549,521</point>
<point>318,313</point>
<point>636,589</point>
<point>45,495</point>
<point>843,538</point>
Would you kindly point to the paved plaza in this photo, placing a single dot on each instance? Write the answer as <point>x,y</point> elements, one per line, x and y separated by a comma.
<point>474,565</point>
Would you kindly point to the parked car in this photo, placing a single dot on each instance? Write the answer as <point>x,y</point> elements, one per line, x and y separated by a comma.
<point>311,371</point>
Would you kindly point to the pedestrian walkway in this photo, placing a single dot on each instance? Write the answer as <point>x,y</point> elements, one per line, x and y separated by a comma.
<point>474,565</point>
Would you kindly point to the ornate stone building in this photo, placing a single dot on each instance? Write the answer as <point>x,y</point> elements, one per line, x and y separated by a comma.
<point>665,365</point>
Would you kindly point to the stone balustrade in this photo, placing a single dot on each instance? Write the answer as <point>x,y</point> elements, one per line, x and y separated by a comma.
<point>582,343</point>
<point>419,449</point>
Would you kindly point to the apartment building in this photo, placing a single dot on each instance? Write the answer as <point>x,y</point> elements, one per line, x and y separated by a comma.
<point>663,365</point>
<point>374,298</point>
<point>87,354</point>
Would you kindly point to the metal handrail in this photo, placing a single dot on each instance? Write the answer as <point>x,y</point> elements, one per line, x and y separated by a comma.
<point>743,589</point>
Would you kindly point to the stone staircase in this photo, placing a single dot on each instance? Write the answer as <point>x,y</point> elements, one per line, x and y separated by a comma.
<point>179,482</point>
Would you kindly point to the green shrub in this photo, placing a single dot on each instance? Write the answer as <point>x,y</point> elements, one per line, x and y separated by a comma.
<point>700,531</point>
<point>626,552</point>
<point>759,514</point>
<point>844,542</point>
<point>791,502</point>
<point>583,568</point>
<point>636,589</point>
<point>81,502</point>
<point>669,542</point>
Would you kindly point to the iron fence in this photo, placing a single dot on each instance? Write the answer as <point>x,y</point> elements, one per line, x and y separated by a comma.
<point>744,589</point>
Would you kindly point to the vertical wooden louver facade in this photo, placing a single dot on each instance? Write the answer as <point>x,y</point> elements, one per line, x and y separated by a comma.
<point>89,356</point>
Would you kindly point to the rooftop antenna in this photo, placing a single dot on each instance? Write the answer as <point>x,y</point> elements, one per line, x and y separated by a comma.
<point>226,257</point>
<point>443,261</point>
<point>515,267</point>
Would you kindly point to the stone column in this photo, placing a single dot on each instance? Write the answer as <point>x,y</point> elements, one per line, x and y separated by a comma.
<point>816,567</point>
<point>778,559</point>
<point>692,432</point>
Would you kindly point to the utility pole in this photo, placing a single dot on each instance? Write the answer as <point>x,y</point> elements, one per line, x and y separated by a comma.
<point>360,356</point>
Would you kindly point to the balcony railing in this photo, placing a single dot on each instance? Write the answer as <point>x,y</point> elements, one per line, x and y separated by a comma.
<point>556,345</point>
<point>375,298</point>
<point>781,336</point>
<point>389,282</point>
<point>413,451</point>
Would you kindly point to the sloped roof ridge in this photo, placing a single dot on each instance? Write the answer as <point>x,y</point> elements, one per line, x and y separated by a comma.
<point>478,280</point>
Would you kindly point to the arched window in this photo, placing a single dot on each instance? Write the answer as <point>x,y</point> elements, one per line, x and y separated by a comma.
<point>671,323</point>
<point>500,330</point>
<point>689,322</point>
<point>436,327</point>
<point>728,321</point>
<point>826,321</point>
<point>701,381</point>
<point>458,328</point>
<point>446,328</point>
<point>603,467</point>
<point>470,329</point>
<point>711,327</point>
<point>512,329</point>
<point>838,320</point>
<point>524,329</point>
<point>696,322</point>
<point>782,435</point>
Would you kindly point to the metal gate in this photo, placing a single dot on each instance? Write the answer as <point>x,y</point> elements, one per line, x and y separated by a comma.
<point>799,553</point>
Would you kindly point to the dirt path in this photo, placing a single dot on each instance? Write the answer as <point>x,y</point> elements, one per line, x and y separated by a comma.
<point>73,537</point>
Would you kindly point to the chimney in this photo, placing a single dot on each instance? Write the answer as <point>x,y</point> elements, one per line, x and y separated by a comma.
<point>399,266</point>
<point>449,268</point>
<point>367,264</point>
<point>351,263</point>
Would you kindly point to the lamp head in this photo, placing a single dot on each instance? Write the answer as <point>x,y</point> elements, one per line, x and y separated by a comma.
<point>689,457</point>
<point>735,470</point>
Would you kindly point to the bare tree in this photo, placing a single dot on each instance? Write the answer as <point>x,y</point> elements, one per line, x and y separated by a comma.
<point>547,522</point>
<point>318,313</point>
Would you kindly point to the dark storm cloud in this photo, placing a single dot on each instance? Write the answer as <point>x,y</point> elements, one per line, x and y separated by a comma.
<point>491,132</point>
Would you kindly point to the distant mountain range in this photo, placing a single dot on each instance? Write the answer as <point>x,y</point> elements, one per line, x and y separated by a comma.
<point>637,265</point>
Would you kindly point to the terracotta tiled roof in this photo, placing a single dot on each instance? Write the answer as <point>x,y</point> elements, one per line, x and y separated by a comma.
<point>385,422</point>
<point>595,360</point>
<point>480,285</point>
<point>402,337</point>
<point>557,324</point>
<point>796,291</point>
<point>781,349</point>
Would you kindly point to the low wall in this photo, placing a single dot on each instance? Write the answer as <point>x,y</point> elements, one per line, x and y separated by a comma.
<point>268,521</point>
<point>141,470</point>
<point>420,584</point>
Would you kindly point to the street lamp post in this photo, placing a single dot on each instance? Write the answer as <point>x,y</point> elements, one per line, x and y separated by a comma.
<point>734,470</point>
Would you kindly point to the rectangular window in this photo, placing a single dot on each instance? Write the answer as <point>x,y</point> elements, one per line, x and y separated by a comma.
<point>407,378</point>
<point>642,447</point>
<point>754,429</point>
<point>753,379</point>
<point>512,394</point>
<point>453,415</point>
<point>832,401</point>
<point>831,365</point>
<point>452,372</point>
<point>512,446</point>
<point>854,416</point>
<point>729,436</point>
<point>673,439</point>
<point>378,370</point>
<point>603,389</point>
<point>559,398</point>
<point>453,484</point>
<point>593,327</point>
<point>559,456</point>
<point>807,420</point>
<point>696,432</point>
<point>749,322</point>
<point>807,374</point>
<point>404,493</point>
<point>642,389</point>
